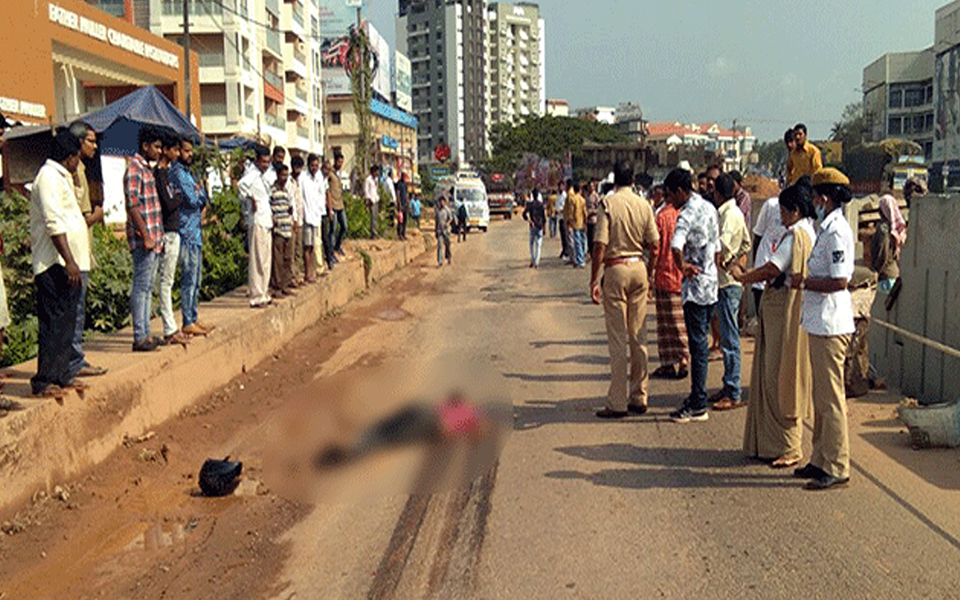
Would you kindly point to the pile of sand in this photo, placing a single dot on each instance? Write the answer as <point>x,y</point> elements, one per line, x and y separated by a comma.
<point>760,187</point>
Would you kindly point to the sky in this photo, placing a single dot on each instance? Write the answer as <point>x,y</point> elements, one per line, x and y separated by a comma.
<point>766,63</point>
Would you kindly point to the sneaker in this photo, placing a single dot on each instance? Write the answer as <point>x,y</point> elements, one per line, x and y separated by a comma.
<point>195,329</point>
<point>687,415</point>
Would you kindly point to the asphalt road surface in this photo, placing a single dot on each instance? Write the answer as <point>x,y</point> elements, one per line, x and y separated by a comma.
<point>573,508</point>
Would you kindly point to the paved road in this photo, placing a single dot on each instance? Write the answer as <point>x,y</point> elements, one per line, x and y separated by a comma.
<point>644,508</point>
<point>574,508</point>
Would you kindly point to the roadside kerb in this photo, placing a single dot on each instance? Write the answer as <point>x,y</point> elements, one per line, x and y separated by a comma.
<point>48,442</point>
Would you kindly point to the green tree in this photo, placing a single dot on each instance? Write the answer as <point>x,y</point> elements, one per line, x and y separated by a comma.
<point>851,129</point>
<point>548,137</point>
<point>771,154</point>
<point>362,65</point>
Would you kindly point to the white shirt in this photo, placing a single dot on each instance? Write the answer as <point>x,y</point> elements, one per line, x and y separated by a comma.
<point>782,254</point>
<point>391,189</point>
<point>561,202</point>
<point>296,200</point>
<point>770,231</point>
<point>370,190</point>
<point>697,236</point>
<point>54,211</point>
<point>831,258</point>
<point>254,190</point>
<point>314,188</point>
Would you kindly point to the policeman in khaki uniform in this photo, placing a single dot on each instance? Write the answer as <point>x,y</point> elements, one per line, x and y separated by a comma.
<point>827,317</point>
<point>625,229</point>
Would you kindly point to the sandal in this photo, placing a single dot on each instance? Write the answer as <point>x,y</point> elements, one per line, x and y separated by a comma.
<point>784,463</point>
<point>725,404</point>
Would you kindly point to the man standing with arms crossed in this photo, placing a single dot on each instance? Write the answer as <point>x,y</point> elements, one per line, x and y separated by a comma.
<point>193,199</point>
<point>625,229</point>
<point>804,159</point>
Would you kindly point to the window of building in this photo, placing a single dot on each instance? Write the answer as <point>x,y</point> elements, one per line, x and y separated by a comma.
<point>336,150</point>
<point>918,124</point>
<point>335,117</point>
<point>930,94</point>
<point>928,122</point>
<point>896,98</point>
<point>893,126</point>
<point>928,150</point>
<point>914,97</point>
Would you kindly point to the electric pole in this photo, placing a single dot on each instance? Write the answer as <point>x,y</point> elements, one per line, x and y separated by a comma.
<point>187,84</point>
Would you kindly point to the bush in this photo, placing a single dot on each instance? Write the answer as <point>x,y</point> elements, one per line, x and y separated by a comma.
<point>108,293</point>
<point>224,248</point>
<point>358,216</point>
<point>17,270</point>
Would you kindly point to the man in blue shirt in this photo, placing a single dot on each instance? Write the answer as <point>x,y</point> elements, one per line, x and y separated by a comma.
<point>193,199</point>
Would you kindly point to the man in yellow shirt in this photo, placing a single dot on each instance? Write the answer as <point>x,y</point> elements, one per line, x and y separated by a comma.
<point>805,158</point>
<point>576,208</point>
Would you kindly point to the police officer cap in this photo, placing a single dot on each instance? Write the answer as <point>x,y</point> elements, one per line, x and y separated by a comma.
<point>829,175</point>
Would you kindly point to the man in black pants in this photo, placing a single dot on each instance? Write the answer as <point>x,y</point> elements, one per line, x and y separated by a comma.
<point>60,252</point>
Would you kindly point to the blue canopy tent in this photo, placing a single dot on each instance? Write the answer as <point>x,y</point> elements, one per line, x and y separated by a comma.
<point>119,123</point>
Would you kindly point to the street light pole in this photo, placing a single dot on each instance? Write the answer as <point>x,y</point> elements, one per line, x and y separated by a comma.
<point>186,56</point>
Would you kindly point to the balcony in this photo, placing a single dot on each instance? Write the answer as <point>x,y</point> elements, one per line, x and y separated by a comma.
<point>274,121</point>
<point>213,109</point>
<point>303,132</point>
<point>212,59</point>
<point>272,39</point>
<point>273,6</point>
<point>248,108</point>
<point>197,8</point>
<point>273,79</point>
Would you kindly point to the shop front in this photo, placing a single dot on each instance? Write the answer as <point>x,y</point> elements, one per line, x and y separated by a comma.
<point>64,58</point>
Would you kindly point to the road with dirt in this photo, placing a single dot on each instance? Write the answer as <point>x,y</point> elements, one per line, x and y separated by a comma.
<point>565,507</point>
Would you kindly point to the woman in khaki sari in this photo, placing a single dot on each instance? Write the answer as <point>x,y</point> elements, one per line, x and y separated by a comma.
<point>780,386</point>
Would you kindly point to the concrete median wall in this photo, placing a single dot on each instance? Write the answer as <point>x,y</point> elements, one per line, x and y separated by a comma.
<point>48,442</point>
<point>928,306</point>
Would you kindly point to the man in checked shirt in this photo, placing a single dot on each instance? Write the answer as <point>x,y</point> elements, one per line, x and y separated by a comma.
<point>144,234</point>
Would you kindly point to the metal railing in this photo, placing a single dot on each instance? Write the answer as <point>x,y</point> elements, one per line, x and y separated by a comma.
<point>274,121</point>
<point>210,59</point>
<point>298,15</point>
<point>273,79</point>
<point>300,93</point>
<point>274,7</point>
<point>249,111</point>
<point>273,41</point>
<point>213,109</point>
<point>303,132</point>
<point>299,55</point>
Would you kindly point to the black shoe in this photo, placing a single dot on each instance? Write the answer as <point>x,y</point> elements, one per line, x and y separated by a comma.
<point>687,415</point>
<point>607,413</point>
<point>147,345</point>
<point>809,472</point>
<point>826,482</point>
<point>637,409</point>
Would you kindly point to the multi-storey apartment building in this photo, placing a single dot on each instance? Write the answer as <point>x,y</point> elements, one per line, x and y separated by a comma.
<point>898,98</point>
<point>259,66</point>
<point>446,43</point>
<point>515,74</point>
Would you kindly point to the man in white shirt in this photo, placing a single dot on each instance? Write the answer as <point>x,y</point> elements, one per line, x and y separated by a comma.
<point>295,191</point>
<point>371,192</point>
<point>313,184</point>
<point>254,192</point>
<point>734,250</point>
<point>558,208</point>
<point>60,252</point>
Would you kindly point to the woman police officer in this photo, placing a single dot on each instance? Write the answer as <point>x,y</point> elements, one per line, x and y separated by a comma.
<point>827,316</point>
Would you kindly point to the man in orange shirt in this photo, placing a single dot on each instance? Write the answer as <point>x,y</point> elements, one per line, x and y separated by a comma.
<point>805,158</point>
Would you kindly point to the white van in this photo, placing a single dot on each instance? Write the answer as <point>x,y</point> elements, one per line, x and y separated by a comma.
<point>470,191</point>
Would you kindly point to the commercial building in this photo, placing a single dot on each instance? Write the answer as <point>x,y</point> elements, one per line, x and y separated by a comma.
<point>515,71</point>
<point>630,122</point>
<point>945,160</point>
<point>898,98</point>
<point>602,114</point>
<point>700,144</point>
<point>394,132</point>
<point>259,63</point>
<point>64,58</point>
<point>445,41</point>
<point>558,108</point>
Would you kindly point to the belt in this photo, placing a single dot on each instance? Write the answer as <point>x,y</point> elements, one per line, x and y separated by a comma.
<point>613,262</point>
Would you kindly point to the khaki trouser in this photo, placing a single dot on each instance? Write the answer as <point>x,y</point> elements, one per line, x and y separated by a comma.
<point>625,308</point>
<point>297,266</point>
<point>831,443</point>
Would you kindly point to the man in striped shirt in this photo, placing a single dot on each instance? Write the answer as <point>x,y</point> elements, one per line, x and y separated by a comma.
<point>144,234</point>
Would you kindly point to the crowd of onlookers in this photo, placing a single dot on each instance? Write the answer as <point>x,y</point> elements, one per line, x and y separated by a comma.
<point>296,222</point>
